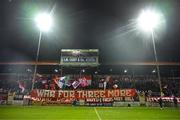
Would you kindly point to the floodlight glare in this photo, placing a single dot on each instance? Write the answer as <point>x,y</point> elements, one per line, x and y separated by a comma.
<point>149,20</point>
<point>44,21</point>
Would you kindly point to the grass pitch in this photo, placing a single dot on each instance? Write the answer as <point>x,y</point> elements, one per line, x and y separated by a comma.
<point>87,113</point>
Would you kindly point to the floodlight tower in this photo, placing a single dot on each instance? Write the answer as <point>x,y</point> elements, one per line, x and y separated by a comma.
<point>148,21</point>
<point>44,22</point>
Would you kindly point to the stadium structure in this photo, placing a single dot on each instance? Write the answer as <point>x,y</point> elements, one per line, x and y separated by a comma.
<point>79,78</point>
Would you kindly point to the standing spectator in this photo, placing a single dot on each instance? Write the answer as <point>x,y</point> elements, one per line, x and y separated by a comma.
<point>175,101</point>
<point>160,102</point>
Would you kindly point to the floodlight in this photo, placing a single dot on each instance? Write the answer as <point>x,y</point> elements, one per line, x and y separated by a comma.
<point>149,20</point>
<point>44,21</point>
<point>154,71</point>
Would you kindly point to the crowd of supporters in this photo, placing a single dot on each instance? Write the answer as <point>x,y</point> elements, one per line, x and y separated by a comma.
<point>142,83</point>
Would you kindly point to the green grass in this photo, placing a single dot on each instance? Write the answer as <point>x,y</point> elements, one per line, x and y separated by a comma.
<point>87,113</point>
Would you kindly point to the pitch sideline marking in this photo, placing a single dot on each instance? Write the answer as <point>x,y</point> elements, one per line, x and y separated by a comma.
<point>99,118</point>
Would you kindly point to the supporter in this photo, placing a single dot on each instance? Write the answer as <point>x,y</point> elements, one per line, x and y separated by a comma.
<point>74,102</point>
<point>139,82</point>
<point>160,102</point>
<point>175,102</point>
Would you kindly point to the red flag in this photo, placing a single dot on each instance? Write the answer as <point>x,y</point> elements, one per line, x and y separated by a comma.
<point>88,78</point>
<point>83,82</point>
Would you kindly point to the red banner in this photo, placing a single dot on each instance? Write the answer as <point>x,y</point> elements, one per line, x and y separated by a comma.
<point>69,95</point>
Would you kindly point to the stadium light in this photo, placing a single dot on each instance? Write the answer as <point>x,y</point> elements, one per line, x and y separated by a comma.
<point>125,71</point>
<point>28,70</point>
<point>44,22</point>
<point>148,21</point>
<point>56,70</point>
<point>154,71</point>
<point>83,70</point>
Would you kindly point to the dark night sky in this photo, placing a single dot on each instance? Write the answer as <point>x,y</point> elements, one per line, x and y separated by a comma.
<point>87,24</point>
